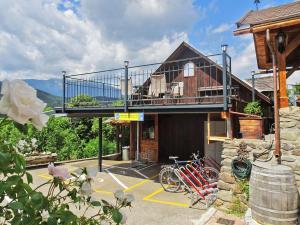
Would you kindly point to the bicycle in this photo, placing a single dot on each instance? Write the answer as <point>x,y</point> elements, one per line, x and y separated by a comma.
<point>170,181</point>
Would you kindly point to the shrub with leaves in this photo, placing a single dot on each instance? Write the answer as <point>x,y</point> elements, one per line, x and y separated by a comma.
<point>254,108</point>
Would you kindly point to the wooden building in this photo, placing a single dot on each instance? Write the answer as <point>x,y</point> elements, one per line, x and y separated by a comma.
<point>188,103</point>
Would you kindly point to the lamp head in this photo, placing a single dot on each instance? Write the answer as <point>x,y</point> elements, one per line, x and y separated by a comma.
<point>126,63</point>
<point>224,47</point>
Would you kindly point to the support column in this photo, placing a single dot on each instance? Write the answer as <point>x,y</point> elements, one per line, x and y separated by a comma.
<point>137,141</point>
<point>100,147</point>
<point>283,98</point>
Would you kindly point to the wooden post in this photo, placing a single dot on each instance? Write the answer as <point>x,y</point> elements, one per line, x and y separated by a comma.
<point>208,128</point>
<point>283,98</point>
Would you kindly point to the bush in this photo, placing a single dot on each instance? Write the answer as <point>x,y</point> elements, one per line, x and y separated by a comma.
<point>254,108</point>
<point>91,148</point>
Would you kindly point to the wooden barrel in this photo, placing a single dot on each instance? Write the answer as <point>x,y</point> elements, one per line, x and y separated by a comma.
<point>273,194</point>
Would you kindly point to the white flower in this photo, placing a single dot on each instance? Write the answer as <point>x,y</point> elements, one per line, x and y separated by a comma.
<point>119,194</point>
<point>33,142</point>
<point>124,217</point>
<point>45,215</point>
<point>86,188</point>
<point>104,222</point>
<point>82,177</point>
<point>20,103</point>
<point>129,198</point>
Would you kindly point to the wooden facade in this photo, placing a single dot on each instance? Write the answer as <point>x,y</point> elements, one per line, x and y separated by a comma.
<point>175,124</point>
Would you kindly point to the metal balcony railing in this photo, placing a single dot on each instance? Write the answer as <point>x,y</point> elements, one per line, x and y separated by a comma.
<point>194,80</point>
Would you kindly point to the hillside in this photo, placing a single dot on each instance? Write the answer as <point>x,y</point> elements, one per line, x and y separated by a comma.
<point>51,100</point>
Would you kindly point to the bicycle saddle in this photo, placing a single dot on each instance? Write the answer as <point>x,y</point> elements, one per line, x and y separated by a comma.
<point>173,157</point>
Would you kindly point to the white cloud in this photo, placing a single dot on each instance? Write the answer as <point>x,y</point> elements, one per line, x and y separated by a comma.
<point>222,28</point>
<point>243,57</point>
<point>38,41</point>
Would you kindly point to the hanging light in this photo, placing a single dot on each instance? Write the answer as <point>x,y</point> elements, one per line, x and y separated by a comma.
<point>280,40</point>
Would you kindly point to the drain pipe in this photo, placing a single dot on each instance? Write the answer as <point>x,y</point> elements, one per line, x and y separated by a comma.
<point>277,152</point>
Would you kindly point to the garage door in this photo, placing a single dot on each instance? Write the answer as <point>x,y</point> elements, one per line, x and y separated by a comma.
<point>181,135</point>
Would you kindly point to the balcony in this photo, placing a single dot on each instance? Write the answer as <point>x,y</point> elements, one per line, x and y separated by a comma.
<point>185,83</point>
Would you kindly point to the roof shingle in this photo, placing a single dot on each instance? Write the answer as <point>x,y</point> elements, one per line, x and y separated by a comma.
<point>272,14</point>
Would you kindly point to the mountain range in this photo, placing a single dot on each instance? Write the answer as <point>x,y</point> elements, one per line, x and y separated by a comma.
<point>51,100</point>
<point>50,91</point>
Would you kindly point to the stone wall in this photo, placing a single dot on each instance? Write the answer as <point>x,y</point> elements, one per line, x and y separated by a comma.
<point>290,147</point>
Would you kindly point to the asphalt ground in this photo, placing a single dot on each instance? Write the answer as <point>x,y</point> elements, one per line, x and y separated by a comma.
<point>152,205</point>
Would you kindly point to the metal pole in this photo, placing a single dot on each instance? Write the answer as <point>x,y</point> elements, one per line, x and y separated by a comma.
<point>230,81</point>
<point>126,86</point>
<point>137,141</point>
<point>64,92</point>
<point>253,86</point>
<point>277,152</point>
<point>224,49</point>
<point>100,147</point>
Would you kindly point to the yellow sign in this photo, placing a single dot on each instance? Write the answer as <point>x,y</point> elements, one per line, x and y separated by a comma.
<point>129,116</point>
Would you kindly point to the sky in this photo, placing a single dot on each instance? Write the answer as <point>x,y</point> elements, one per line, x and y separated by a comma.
<point>40,38</point>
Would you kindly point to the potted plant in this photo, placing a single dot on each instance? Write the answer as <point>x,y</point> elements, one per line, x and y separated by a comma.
<point>251,126</point>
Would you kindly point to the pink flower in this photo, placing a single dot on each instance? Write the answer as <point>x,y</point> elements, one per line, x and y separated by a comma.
<point>60,172</point>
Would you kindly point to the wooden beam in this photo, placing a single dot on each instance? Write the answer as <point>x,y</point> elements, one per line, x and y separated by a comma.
<point>283,98</point>
<point>291,71</point>
<point>208,128</point>
<point>218,138</point>
<point>265,26</point>
<point>292,45</point>
<point>242,31</point>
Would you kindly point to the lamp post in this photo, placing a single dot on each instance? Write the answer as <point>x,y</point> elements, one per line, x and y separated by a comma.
<point>224,57</point>
<point>126,63</point>
<point>253,85</point>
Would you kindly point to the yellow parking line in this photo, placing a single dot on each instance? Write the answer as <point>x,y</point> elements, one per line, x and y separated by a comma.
<point>140,183</point>
<point>148,198</point>
<point>168,203</point>
<point>153,193</point>
<point>45,176</point>
<point>103,192</point>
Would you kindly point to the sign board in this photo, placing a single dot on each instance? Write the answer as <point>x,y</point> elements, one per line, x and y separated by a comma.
<point>129,116</point>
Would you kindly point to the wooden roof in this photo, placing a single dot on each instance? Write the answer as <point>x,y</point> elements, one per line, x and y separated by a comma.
<point>272,14</point>
<point>262,84</point>
<point>283,18</point>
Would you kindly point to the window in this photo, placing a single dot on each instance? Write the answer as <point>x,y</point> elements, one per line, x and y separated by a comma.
<point>189,69</point>
<point>148,129</point>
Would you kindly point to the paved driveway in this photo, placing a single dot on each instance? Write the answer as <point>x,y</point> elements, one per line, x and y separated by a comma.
<point>152,205</point>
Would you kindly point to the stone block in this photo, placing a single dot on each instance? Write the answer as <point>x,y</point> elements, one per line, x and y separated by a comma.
<point>287,146</point>
<point>218,203</point>
<point>226,162</point>
<point>237,189</point>
<point>288,158</point>
<point>290,124</point>
<point>226,169</point>
<point>224,186</point>
<point>227,177</point>
<point>230,153</point>
<point>290,134</point>
<point>225,196</point>
<point>296,152</point>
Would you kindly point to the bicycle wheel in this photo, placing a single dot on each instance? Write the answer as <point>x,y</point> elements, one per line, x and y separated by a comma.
<point>210,174</point>
<point>168,180</point>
